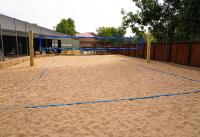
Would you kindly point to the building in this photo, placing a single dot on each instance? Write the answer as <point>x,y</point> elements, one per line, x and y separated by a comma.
<point>14,37</point>
<point>87,42</point>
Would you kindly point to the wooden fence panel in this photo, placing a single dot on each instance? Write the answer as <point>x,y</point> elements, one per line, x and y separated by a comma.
<point>159,54</point>
<point>132,52</point>
<point>174,51</point>
<point>139,52</point>
<point>126,52</point>
<point>183,53</point>
<point>145,51</point>
<point>180,53</point>
<point>195,55</point>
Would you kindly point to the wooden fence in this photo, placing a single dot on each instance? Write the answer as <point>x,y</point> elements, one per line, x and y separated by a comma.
<point>185,53</point>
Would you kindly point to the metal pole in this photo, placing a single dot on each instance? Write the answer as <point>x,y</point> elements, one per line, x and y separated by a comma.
<point>16,37</point>
<point>72,46</point>
<point>45,41</point>
<point>53,45</point>
<point>2,46</point>
<point>40,40</point>
<point>26,39</point>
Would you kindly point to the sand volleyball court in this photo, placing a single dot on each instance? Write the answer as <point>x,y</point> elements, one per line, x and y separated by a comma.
<point>99,96</point>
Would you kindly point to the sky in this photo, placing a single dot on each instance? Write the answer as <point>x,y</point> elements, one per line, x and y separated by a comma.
<point>87,14</point>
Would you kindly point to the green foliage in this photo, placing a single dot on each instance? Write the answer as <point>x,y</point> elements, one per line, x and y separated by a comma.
<point>66,26</point>
<point>174,19</point>
<point>111,32</point>
<point>190,19</point>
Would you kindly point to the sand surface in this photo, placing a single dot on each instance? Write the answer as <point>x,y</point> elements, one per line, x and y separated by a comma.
<point>67,79</point>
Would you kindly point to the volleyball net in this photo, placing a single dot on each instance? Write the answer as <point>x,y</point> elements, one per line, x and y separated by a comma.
<point>102,44</point>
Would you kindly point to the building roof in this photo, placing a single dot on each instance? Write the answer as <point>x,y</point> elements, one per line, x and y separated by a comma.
<point>87,34</point>
<point>9,25</point>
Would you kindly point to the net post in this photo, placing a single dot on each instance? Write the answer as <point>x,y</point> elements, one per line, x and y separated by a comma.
<point>31,49</point>
<point>149,39</point>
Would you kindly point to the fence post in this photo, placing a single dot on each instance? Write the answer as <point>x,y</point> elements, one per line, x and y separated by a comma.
<point>149,39</point>
<point>31,49</point>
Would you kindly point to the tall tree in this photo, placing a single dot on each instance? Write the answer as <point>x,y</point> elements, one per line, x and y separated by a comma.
<point>190,22</point>
<point>111,32</point>
<point>174,19</point>
<point>66,26</point>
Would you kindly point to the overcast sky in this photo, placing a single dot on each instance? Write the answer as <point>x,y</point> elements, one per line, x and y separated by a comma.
<point>88,14</point>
